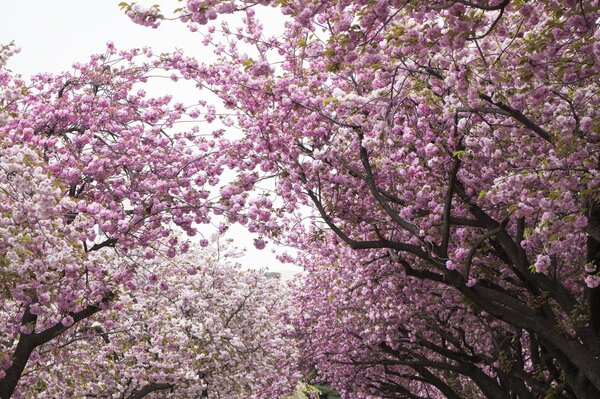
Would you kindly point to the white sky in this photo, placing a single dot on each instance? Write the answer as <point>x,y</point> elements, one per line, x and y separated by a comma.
<point>53,34</point>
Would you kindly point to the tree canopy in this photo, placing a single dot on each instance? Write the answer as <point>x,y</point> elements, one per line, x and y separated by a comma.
<point>435,164</point>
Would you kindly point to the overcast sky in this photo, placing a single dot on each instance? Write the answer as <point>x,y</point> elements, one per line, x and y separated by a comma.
<point>55,34</point>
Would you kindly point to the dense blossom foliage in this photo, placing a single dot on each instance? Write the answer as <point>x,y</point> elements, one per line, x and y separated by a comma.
<point>454,147</point>
<point>377,332</point>
<point>436,162</point>
<point>115,150</point>
<point>96,185</point>
<point>194,327</point>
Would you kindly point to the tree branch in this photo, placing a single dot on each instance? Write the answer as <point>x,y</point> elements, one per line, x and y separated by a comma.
<point>369,244</point>
<point>381,200</point>
<point>147,389</point>
<point>57,329</point>
<point>485,7</point>
<point>519,116</point>
<point>450,193</point>
<point>110,242</point>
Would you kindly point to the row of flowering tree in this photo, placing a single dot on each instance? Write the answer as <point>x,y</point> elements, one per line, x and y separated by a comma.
<point>98,198</point>
<point>449,152</point>
<point>435,162</point>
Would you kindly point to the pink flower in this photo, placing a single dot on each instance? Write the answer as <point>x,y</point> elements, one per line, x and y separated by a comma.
<point>542,264</point>
<point>6,362</point>
<point>451,265</point>
<point>67,321</point>
<point>259,243</point>
<point>592,281</point>
<point>145,16</point>
<point>26,330</point>
<point>581,222</point>
<point>108,324</point>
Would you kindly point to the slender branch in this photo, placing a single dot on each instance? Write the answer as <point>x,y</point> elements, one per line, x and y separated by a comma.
<point>381,200</point>
<point>327,117</point>
<point>450,193</point>
<point>493,25</point>
<point>110,242</point>
<point>484,6</point>
<point>519,116</point>
<point>476,246</point>
<point>483,110</point>
<point>369,244</point>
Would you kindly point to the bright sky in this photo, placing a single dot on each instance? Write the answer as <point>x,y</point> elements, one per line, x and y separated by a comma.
<point>55,34</point>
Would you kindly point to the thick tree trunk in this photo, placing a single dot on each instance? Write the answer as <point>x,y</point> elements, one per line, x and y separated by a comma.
<point>582,360</point>
<point>23,351</point>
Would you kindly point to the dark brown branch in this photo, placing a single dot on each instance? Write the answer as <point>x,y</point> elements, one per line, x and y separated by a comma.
<point>369,244</point>
<point>461,221</point>
<point>482,110</point>
<point>485,7</point>
<point>450,193</point>
<point>423,274</point>
<point>448,392</point>
<point>381,200</point>
<point>147,389</point>
<point>593,257</point>
<point>57,329</point>
<point>593,227</point>
<point>487,385</point>
<point>519,116</point>
<point>21,355</point>
<point>475,247</point>
<point>517,259</point>
<point>493,25</point>
<point>110,242</point>
<point>28,342</point>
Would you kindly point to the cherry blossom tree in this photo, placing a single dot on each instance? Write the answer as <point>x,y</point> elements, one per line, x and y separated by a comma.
<point>88,174</point>
<point>98,190</point>
<point>454,142</point>
<point>41,256</point>
<point>199,327</point>
<point>48,282</point>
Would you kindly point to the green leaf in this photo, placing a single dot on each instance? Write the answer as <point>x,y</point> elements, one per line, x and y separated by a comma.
<point>125,6</point>
<point>333,67</point>
<point>248,63</point>
<point>458,154</point>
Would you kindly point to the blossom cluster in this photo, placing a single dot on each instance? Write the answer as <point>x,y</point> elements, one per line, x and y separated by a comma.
<point>98,191</point>
<point>145,16</point>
